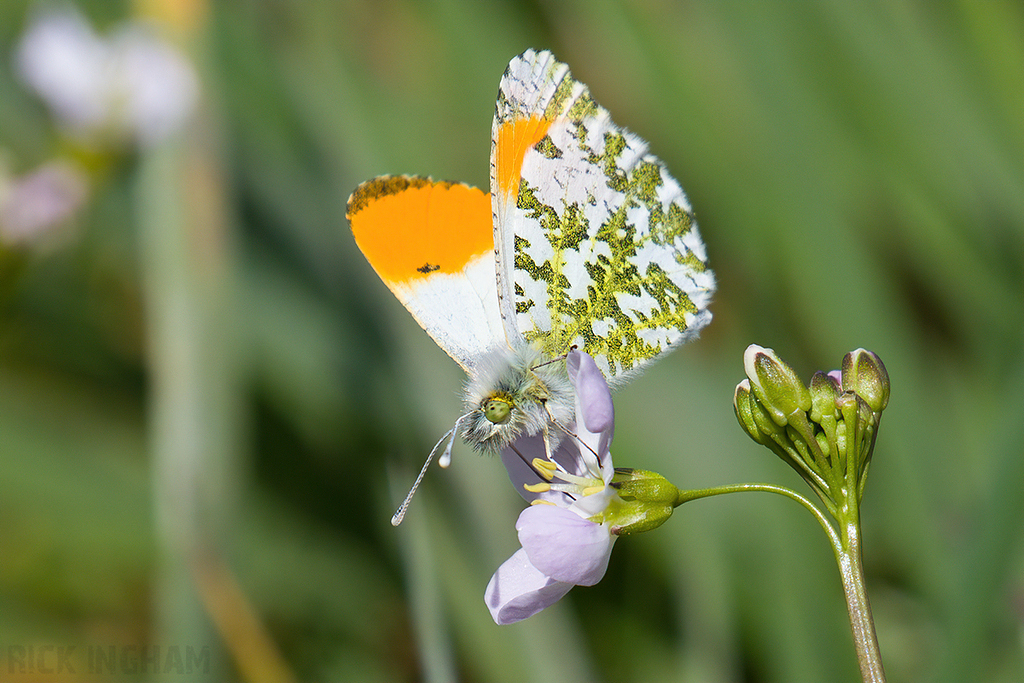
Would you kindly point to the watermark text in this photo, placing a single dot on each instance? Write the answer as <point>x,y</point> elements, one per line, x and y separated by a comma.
<point>71,660</point>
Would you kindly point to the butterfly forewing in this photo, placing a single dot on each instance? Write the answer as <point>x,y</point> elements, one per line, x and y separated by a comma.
<point>431,243</point>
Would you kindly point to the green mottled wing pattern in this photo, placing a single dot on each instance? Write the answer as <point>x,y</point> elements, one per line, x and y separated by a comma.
<point>600,248</point>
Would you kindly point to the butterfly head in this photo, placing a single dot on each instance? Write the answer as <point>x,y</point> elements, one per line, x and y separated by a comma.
<point>516,393</point>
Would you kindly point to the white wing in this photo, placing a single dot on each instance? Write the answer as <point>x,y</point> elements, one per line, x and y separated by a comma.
<point>596,244</point>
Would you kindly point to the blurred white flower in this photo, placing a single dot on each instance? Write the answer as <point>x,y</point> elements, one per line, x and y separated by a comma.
<point>133,84</point>
<point>32,205</point>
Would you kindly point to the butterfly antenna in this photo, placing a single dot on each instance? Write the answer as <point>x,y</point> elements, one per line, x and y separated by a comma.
<point>556,359</point>
<point>446,457</point>
<point>443,461</point>
<point>575,437</point>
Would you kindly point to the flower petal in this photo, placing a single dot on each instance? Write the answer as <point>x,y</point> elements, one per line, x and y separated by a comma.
<point>518,590</point>
<point>563,545</point>
<point>592,393</point>
<point>595,415</point>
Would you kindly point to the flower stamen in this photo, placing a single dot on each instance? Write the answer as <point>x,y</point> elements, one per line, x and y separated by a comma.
<point>545,468</point>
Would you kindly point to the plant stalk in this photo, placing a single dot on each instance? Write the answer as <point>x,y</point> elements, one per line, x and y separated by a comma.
<point>851,568</point>
<point>846,546</point>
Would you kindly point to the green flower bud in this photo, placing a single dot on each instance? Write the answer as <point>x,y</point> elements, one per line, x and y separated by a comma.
<point>824,392</point>
<point>646,500</point>
<point>824,413</point>
<point>772,434</point>
<point>826,443</point>
<point>864,374</point>
<point>775,384</point>
<point>850,425</point>
<point>744,403</point>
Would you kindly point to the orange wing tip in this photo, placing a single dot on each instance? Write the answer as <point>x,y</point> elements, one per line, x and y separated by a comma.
<point>410,227</point>
<point>514,139</point>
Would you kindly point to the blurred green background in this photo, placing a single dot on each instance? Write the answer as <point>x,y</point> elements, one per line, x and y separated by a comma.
<point>210,406</point>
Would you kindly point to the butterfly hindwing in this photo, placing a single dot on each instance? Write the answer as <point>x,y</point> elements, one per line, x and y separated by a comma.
<point>596,244</point>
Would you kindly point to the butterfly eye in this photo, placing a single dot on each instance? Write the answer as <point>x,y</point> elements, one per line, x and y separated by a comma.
<point>497,410</point>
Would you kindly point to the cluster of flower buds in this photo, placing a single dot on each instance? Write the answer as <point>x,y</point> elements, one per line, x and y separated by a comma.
<point>826,431</point>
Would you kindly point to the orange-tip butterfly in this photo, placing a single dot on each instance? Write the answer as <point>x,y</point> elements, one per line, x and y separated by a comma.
<point>584,241</point>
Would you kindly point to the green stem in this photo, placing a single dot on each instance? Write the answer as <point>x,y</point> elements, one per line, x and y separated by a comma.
<point>686,496</point>
<point>851,568</point>
<point>846,546</point>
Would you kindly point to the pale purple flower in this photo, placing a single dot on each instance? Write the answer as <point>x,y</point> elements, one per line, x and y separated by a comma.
<point>566,539</point>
